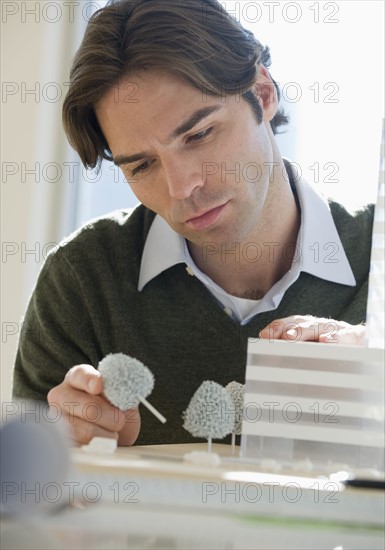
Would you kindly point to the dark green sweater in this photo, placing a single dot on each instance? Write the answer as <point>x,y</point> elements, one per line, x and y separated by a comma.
<point>86,305</point>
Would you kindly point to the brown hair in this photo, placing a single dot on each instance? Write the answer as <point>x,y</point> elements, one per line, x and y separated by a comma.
<point>195,39</point>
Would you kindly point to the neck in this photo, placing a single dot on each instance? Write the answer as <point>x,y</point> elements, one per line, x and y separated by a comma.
<point>250,267</point>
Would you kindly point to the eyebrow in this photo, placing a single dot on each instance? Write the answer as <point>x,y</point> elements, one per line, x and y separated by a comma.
<point>187,125</point>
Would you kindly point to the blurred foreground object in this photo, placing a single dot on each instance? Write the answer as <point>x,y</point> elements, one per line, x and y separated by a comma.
<point>34,459</point>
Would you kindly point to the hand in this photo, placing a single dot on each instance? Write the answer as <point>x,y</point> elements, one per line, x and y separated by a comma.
<point>88,413</point>
<point>314,329</point>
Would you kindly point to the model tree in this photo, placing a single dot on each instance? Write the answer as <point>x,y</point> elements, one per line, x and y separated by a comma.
<point>237,394</point>
<point>210,413</point>
<point>127,381</point>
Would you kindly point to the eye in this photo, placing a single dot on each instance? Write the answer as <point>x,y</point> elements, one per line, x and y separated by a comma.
<point>200,136</point>
<point>140,168</point>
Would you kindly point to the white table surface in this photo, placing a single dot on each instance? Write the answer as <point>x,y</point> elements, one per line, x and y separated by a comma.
<point>149,497</point>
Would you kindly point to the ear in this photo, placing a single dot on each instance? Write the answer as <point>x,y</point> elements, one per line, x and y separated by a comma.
<point>266,93</point>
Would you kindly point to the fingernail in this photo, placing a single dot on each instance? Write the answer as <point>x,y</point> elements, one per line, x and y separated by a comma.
<point>92,384</point>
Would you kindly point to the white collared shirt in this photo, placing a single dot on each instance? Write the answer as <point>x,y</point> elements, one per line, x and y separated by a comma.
<point>319,252</point>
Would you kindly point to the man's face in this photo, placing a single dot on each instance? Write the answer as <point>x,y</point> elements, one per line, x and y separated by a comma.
<point>200,162</point>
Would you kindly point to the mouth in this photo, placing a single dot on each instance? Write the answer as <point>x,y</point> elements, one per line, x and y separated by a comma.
<point>207,218</point>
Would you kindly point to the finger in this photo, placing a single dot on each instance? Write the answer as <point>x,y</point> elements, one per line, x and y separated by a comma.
<point>274,329</point>
<point>350,336</point>
<point>131,429</point>
<point>277,328</point>
<point>85,378</point>
<point>310,331</point>
<point>81,431</point>
<point>94,409</point>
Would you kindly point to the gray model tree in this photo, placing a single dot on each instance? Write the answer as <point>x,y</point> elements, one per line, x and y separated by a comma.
<point>210,413</point>
<point>237,394</point>
<point>127,381</point>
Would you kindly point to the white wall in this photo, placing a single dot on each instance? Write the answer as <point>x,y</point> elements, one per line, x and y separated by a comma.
<point>38,40</point>
<point>21,46</point>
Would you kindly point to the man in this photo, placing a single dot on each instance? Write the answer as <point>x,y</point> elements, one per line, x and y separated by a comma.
<point>226,245</point>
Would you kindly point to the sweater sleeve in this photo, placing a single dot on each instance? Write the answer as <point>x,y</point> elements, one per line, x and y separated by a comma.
<point>54,332</point>
<point>83,305</point>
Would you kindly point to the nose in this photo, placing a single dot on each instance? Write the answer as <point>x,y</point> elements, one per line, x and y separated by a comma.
<point>182,178</point>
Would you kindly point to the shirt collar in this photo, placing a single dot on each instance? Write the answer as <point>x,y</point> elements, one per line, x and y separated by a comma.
<point>163,249</point>
<point>319,248</point>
